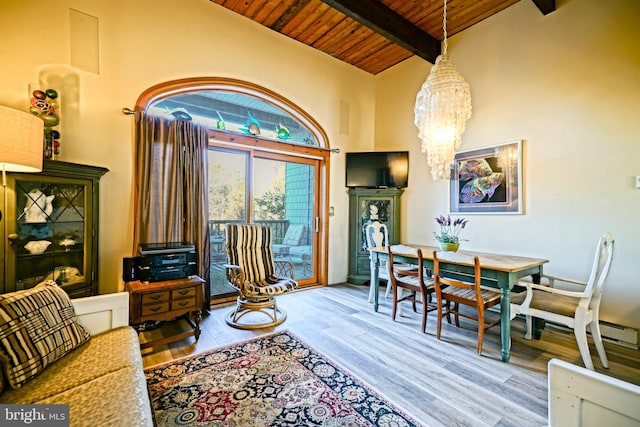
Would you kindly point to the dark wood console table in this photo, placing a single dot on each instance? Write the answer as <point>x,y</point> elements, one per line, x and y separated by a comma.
<point>166,300</point>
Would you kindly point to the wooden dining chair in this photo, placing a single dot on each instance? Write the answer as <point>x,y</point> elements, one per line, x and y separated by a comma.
<point>468,293</point>
<point>414,281</point>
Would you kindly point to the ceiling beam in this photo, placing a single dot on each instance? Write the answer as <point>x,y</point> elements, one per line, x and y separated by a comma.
<point>545,6</point>
<point>386,22</point>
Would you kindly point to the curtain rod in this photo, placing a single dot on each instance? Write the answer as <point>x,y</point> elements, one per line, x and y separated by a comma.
<point>128,111</point>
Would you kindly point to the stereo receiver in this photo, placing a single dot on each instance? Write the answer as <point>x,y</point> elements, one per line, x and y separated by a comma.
<point>165,261</point>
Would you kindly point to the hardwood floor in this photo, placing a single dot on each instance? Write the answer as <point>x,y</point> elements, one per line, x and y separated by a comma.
<point>440,383</point>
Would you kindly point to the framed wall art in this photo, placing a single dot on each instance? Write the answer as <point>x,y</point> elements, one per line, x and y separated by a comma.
<point>487,180</point>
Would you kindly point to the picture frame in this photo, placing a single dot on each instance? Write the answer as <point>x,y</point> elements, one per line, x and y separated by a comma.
<point>487,180</point>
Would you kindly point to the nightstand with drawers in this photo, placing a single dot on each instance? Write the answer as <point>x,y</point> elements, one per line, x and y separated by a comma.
<point>166,300</point>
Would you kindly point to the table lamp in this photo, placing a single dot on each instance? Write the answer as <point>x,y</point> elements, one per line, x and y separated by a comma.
<point>21,139</point>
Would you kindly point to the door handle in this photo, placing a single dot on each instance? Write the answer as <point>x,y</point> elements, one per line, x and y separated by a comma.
<point>12,237</point>
<point>317,224</point>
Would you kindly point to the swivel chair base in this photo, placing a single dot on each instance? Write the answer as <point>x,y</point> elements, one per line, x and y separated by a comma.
<point>266,307</point>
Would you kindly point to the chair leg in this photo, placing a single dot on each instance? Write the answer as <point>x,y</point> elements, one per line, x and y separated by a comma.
<point>456,307</point>
<point>386,293</point>
<point>424,316</point>
<point>439,326</point>
<point>529,321</point>
<point>395,303</point>
<point>480,328</point>
<point>581,337</point>
<point>426,299</point>
<point>597,339</point>
<point>413,302</point>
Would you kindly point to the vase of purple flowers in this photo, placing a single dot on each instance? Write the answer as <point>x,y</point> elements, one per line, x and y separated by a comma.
<point>449,236</point>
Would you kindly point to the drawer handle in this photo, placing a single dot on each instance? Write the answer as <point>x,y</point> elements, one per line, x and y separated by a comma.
<point>156,296</point>
<point>183,292</point>
<point>183,303</point>
<point>154,309</point>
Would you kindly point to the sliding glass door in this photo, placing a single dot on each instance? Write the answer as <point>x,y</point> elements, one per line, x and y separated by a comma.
<point>227,189</point>
<point>275,189</point>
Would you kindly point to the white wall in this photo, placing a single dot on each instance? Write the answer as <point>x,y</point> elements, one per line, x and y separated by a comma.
<point>568,84</point>
<point>145,42</point>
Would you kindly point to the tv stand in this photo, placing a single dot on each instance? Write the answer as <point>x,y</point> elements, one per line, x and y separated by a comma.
<point>386,202</point>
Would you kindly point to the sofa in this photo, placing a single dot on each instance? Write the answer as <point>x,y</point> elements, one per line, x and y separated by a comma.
<point>102,379</point>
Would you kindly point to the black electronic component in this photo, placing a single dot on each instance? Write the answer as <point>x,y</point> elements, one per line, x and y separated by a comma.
<point>165,261</point>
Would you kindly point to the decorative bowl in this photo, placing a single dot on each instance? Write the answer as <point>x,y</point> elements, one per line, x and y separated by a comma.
<point>37,246</point>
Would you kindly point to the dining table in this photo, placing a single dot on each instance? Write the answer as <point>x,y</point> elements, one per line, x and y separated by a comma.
<point>496,271</point>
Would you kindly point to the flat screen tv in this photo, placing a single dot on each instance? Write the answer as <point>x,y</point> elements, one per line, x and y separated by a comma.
<point>388,169</point>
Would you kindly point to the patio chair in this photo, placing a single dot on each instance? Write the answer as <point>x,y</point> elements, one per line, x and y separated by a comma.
<point>292,237</point>
<point>258,278</point>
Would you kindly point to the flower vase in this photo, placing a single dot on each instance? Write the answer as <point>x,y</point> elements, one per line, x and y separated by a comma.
<point>449,247</point>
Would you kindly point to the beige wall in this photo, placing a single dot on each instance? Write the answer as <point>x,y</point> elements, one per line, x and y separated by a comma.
<point>145,42</point>
<point>568,84</point>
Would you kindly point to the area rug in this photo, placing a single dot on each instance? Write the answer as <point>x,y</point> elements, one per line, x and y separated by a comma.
<point>274,380</point>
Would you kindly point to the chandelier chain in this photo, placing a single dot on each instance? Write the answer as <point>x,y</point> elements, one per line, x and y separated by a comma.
<point>444,29</point>
<point>443,106</point>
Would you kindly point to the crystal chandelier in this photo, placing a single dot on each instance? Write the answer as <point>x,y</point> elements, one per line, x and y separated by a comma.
<point>443,106</point>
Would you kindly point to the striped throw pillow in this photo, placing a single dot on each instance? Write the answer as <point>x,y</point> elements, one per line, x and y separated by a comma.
<point>37,327</point>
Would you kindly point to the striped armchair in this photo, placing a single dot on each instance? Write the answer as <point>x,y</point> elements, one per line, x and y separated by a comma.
<point>252,270</point>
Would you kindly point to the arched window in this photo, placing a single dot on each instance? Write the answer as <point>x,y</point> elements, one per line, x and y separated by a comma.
<point>234,107</point>
<point>268,163</point>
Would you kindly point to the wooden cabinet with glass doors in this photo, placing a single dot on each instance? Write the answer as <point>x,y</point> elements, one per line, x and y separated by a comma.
<point>365,205</point>
<point>50,227</point>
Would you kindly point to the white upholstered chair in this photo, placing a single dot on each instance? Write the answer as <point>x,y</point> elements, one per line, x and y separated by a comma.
<point>574,309</point>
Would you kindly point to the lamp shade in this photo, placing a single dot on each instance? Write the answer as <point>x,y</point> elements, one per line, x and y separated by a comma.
<point>21,139</point>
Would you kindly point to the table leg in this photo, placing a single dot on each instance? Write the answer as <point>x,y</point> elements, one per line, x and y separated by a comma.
<point>375,265</point>
<point>196,332</point>
<point>505,325</point>
<point>538,324</point>
<point>193,319</point>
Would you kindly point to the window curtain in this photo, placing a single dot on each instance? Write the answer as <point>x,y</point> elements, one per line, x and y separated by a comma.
<point>171,203</point>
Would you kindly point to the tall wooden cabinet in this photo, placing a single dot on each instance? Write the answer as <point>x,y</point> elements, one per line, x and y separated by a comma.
<point>49,227</point>
<point>367,204</point>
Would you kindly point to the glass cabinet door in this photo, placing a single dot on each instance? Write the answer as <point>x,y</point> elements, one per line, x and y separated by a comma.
<point>47,240</point>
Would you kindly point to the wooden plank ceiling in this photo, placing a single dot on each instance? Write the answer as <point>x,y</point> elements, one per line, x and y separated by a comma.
<point>369,34</point>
